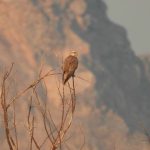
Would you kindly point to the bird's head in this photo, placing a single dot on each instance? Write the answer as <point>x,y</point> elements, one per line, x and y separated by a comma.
<point>74,53</point>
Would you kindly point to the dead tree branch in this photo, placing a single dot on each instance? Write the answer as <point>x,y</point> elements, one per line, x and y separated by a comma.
<point>55,133</point>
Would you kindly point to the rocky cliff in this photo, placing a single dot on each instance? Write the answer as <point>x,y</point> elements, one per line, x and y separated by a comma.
<point>114,101</point>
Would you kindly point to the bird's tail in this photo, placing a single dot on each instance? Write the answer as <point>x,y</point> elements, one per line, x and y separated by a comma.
<point>65,78</point>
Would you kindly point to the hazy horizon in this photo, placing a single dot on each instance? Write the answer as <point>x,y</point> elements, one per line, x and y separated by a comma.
<point>135,19</point>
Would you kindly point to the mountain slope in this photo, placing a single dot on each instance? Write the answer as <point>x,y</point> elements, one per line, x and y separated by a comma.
<point>114,100</point>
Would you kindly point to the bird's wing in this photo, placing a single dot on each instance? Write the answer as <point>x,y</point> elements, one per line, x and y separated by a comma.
<point>70,65</point>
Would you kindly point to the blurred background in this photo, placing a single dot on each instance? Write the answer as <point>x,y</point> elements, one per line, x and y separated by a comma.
<point>134,16</point>
<point>112,39</point>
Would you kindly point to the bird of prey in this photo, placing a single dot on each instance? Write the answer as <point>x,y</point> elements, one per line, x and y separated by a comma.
<point>69,67</point>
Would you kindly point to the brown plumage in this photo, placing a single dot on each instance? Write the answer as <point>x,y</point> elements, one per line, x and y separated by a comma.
<point>69,67</point>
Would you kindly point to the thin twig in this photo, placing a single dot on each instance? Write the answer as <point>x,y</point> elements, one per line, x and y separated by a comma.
<point>10,140</point>
<point>15,127</point>
<point>30,86</point>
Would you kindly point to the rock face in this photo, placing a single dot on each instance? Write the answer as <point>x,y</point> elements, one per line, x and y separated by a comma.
<point>146,61</point>
<point>116,101</point>
<point>121,82</point>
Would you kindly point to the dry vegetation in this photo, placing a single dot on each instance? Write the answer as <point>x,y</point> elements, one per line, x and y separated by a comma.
<point>37,109</point>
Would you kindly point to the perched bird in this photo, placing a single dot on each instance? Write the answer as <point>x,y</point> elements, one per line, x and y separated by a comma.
<point>69,67</point>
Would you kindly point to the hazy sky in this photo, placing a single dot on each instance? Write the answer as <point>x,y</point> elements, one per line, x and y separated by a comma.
<point>134,15</point>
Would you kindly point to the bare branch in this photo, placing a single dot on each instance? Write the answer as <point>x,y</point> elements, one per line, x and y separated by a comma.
<point>34,84</point>
<point>55,133</point>
<point>9,138</point>
<point>15,127</point>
